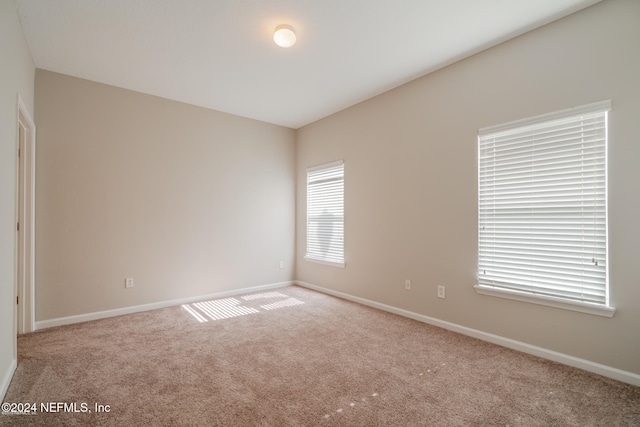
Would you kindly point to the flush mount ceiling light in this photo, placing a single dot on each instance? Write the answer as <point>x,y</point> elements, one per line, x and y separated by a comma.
<point>284,36</point>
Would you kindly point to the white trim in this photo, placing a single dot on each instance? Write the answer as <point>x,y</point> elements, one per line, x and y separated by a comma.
<point>321,261</point>
<point>43,324</point>
<point>325,166</point>
<point>583,307</point>
<point>6,379</point>
<point>597,368</point>
<point>568,112</point>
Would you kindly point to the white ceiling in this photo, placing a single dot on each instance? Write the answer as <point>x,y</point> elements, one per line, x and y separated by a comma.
<point>219,54</point>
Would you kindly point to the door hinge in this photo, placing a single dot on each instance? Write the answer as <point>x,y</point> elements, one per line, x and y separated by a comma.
<point>18,151</point>
<point>17,300</point>
<point>18,226</point>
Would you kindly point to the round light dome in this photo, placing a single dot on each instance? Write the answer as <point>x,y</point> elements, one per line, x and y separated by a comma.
<point>284,36</point>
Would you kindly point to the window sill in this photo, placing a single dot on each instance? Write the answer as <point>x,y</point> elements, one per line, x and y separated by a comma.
<point>583,307</point>
<point>321,261</point>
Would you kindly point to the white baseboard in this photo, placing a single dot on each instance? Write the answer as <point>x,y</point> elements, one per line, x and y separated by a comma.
<point>597,368</point>
<point>43,324</point>
<point>6,379</point>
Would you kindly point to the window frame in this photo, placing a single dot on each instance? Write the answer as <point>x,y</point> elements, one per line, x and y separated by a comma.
<point>503,291</point>
<point>312,256</point>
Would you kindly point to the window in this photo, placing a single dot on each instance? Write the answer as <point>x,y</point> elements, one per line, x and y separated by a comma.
<point>542,210</point>
<point>325,214</point>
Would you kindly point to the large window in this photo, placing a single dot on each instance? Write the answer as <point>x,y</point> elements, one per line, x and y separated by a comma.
<point>325,214</point>
<point>542,210</point>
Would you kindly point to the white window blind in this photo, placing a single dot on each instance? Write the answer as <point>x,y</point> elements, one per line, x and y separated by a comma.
<point>325,214</point>
<point>543,206</point>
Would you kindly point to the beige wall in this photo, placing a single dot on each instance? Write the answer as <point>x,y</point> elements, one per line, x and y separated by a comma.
<point>185,200</point>
<point>411,177</point>
<point>16,77</point>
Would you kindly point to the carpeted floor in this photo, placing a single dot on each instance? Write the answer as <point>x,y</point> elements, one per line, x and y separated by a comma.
<point>295,357</point>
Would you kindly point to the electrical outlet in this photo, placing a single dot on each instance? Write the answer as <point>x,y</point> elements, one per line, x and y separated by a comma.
<point>407,285</point>
<point>441,293</point>
<point>128,282</point>
<point>281,264</point>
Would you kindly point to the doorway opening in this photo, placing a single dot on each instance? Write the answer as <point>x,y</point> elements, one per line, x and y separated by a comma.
<point>25,221</point>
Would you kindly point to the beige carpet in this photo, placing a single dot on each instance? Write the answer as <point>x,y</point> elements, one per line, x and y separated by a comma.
<point>294,357</point>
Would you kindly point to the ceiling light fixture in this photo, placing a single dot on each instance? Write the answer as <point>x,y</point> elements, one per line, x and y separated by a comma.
<point>284,36</point>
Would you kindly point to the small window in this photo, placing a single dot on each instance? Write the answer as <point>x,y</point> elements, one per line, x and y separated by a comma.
<point>325,214</point>
<point>542,210</point>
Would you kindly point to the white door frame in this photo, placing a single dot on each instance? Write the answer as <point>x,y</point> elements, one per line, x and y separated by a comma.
<point>25,220</point>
